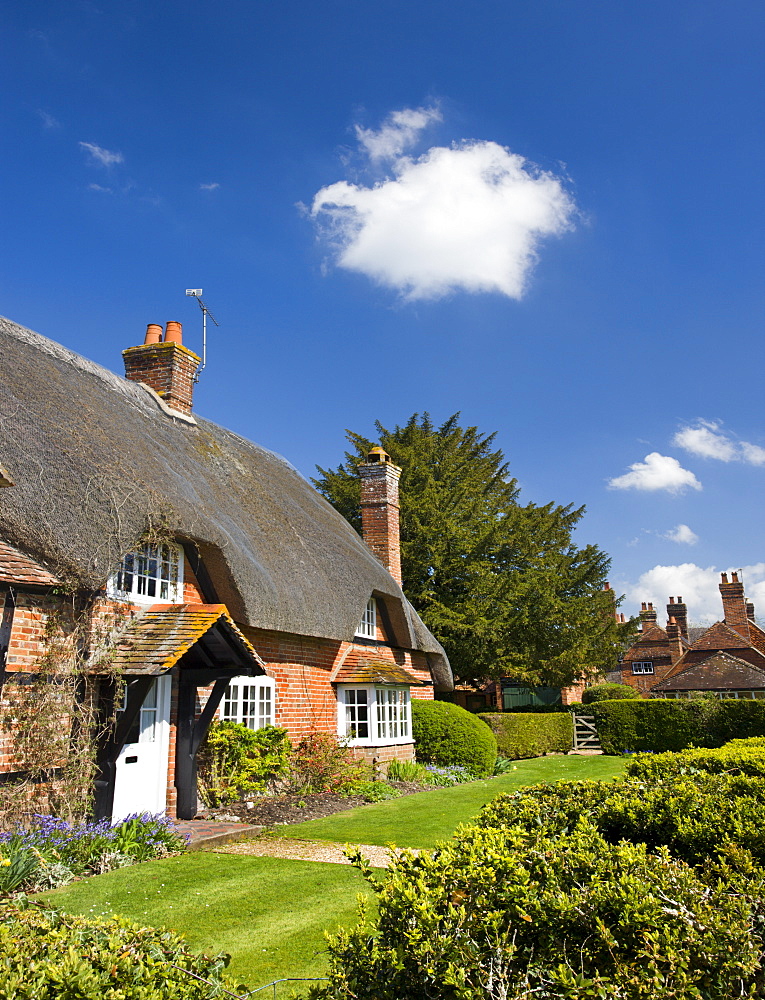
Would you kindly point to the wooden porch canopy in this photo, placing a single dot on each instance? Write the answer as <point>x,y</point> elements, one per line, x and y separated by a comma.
<point>201,644</point>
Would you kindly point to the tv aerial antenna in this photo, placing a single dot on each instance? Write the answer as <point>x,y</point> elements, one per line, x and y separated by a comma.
<point>196,293</point>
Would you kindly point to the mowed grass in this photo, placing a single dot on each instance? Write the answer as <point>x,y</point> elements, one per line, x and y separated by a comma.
<point>268,914</point>
<point>423,819</point>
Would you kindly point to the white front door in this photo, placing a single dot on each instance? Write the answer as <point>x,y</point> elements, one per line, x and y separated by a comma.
<point>141,781</point>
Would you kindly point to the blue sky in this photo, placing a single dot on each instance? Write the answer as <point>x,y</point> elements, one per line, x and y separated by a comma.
<point>545,215</point>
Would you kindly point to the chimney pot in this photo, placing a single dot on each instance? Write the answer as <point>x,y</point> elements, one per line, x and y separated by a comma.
<point>724,577</point>
<point>671,600</point>
<point>153,334</point>
<point>173,333</point>
<point>734,578</point>
<point>643,606</point>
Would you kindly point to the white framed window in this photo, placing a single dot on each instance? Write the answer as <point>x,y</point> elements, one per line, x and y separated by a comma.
<point>143,729</point>
<point>368,624</point>
<point>151,574</point>
<point>642,667</point>
<point>250,701</point>
<point>374,715</point>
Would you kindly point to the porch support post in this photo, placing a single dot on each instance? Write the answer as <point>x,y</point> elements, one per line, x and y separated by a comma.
<point>191,732</point>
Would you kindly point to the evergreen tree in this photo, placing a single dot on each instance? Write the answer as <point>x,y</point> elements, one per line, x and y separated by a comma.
<point>500,584</point>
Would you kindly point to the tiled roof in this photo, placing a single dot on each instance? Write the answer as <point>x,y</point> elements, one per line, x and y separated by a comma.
<point>153,643</point>
<point>15,567</point>
<point>719,672</point>
<point>375,672</point>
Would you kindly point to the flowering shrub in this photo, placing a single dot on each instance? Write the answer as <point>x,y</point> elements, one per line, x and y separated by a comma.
<point>52,852</point>
<point>321,763</point>
<point>446,776</point>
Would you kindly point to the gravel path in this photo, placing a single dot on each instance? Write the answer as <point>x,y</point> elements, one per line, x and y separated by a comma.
<point>306,850</point>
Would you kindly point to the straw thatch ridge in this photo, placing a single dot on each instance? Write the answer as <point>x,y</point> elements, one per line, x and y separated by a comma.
<point>95,460</point>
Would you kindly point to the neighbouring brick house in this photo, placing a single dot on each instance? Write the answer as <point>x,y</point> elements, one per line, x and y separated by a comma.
<point>256,600</point>
<point>727,658</point>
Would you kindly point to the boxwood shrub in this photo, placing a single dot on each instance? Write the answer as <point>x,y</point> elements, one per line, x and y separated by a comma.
<point>660,724</point>
<point>49,955</point>
<point>527,734</point>
<point>515,913</point>
<point>607,692</point>
<point>446,734</point>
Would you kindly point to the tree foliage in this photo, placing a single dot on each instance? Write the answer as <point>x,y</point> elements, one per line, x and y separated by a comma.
<point>500,583</point>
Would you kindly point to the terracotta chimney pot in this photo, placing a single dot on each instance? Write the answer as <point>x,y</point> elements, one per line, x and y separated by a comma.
<point>153,334</point>
<point>173,333</point>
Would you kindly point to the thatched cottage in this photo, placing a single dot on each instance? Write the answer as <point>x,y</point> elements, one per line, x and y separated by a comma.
<point>238,589</point>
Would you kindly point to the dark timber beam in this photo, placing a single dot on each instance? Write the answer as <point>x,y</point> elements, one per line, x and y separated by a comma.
<point>191,732</point>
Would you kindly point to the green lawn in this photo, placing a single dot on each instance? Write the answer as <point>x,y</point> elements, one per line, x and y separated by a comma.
<point>269,915</point>
<point>422,820</point>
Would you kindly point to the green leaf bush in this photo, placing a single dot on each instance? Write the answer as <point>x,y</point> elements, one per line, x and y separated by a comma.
<point>698,817</point>
<point>235,761</point>
<point>737,757</point>
<point>519,913</point>
<point>607,692</point>
<point>445,734</point>
<point>49,955</point>
<point>526,734</point>
<point>670,724</point>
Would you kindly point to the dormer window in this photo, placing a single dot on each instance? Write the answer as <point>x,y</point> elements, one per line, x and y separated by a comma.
<point>368,625</point>
<point>150,574</point>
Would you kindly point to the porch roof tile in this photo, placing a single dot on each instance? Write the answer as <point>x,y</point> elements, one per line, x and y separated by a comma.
<point>155,642</point>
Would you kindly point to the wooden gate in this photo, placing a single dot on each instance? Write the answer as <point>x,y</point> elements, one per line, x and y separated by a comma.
<point>585,733</point>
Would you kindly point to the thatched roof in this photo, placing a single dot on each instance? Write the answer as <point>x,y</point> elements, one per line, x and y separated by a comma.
<point>94,459</point>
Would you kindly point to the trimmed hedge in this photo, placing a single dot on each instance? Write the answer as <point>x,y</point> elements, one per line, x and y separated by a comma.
<point>46,954</point>
<point>607,692</point>
<point>737,757</point>
<point>527,734</point>
<point>516,913</point>
<point>445,734</point>
<point>701,818</point>
<point>660,724</point>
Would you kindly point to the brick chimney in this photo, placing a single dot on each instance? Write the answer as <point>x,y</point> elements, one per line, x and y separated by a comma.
<point>734,604</point>
<point>675,640</point>
<point>679,611</point>
<point>749,606</point>
<point>380,509</point>
<point>647,616</point>
<point>165,365</point>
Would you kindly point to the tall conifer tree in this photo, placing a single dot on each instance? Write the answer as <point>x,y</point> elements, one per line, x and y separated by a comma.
<point>501,584</point>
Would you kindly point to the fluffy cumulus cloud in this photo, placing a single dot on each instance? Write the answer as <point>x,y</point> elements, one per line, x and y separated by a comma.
<point>656,472</point>
<point>706,440</point>
<point>681,534</point>
<point>699,588</point>
<point>466,217</point>
<point>104,157</point>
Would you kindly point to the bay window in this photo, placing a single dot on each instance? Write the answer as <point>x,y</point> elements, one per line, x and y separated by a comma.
<point>374,715</point>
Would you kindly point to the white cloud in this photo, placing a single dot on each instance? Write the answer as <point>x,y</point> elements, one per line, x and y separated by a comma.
<point>681,534</point>
<point>209,187</point>
<point>752,453</point>
<point>707,441</point>
<point>99,187</point>
<point>699,587</point>
<point>399,131</point>
<point>467,217</point>
<point>48,121</point>
<point>657,472</point>
<point>105,157</point>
